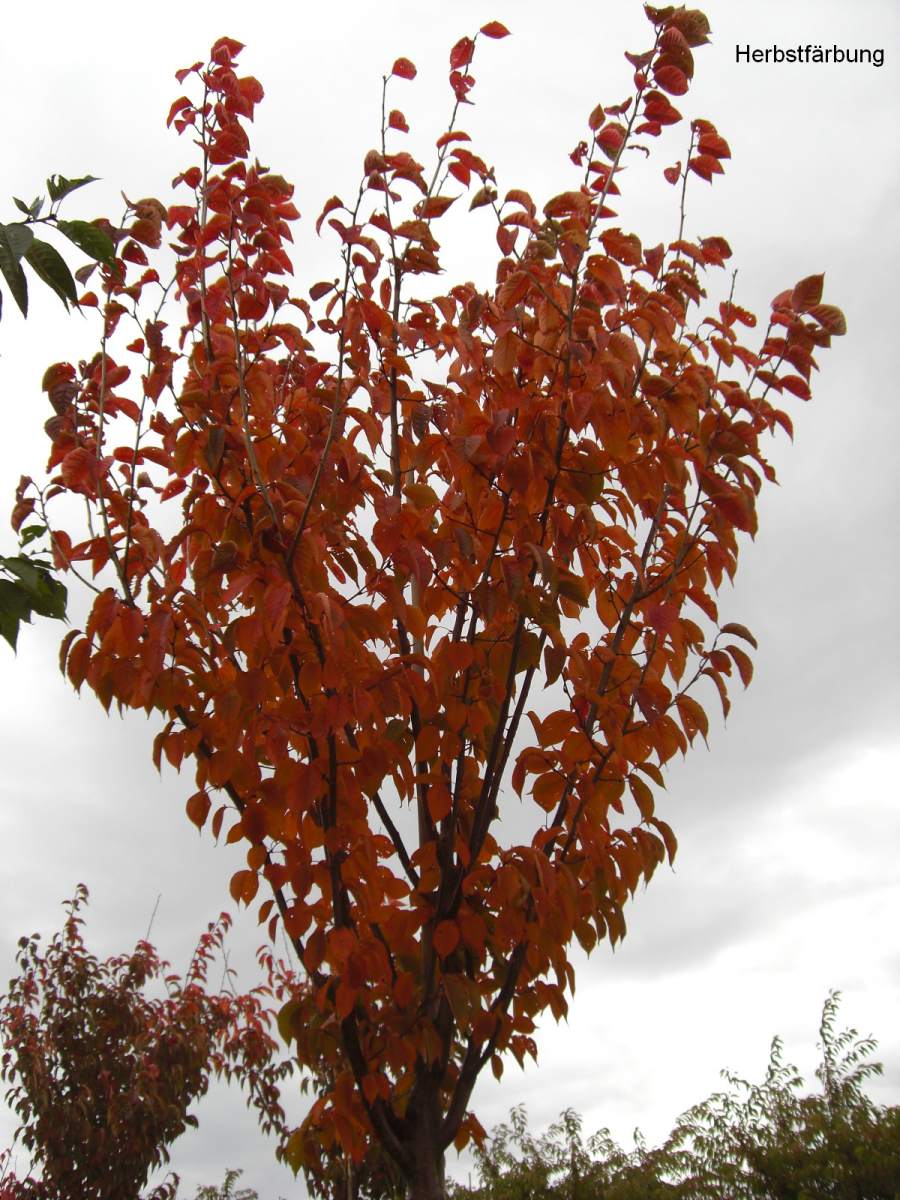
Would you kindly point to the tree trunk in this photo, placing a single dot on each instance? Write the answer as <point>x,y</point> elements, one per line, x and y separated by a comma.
<point>426,1181</point>
<point>423,1166</point>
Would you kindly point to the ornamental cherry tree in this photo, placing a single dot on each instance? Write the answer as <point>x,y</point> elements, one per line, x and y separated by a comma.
<point>421,576</point>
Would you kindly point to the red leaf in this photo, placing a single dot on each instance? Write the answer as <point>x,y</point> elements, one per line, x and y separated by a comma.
<point>404,989</point>
<point>404,69</point>
<point>495,29</point>
<point>610,139</point>
<point>672,174</point>
<point>461,54</point>
<point>330,205</point>
<point>715,250</point>
<point>506,239</point>
<point>711,143</point>
<point>79,470</point>
<point>452,135</point>
<point>705,166</point>
<point>251,89</point>
<point>226,48</point>
<point>671,80</point>
<point>179,105</point>
<point>344,1000</point>
<point>396,120</point>
<point>174,488</point>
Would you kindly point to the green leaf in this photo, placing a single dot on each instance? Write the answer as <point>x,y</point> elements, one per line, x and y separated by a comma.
<point>285,1019</point>
<point>49,266</point>
<point>15,607</point>
<point>12,270</point>
<point>32,210</point>
<point>90,239</point>
<point>58,186</point>
<point>25,569</point>
<point>46,595</point>
<point>30,533</point>
<point>53,599</point>
<point>20,238</point>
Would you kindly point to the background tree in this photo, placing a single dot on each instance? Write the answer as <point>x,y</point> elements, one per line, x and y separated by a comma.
<point>102,1075</point>
<point>227,1190</point>
<point>396,520</point>
<point>751,1142</point>
<point>760,1140</point>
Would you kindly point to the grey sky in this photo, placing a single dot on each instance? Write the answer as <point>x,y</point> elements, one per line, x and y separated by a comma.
<point>786,881</point>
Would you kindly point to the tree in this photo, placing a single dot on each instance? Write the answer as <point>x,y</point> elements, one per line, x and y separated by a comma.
<point>559,1164</point>
<point>102,1076</point>
<point>397,519</point>
<point>226,1191</point>
<point>751,1142</point>
<point>765,1139</point>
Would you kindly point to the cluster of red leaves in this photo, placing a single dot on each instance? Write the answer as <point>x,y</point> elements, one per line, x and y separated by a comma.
<point>102,1076</point>
<point>396,519</point>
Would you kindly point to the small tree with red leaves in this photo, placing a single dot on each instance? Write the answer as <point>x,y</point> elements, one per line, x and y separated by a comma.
<point>102,1076</point>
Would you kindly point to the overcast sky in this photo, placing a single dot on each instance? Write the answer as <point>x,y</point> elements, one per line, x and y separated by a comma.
<point>786,881</point>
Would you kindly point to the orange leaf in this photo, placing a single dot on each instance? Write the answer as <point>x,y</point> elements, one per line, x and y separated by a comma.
<point>741,631</point>
<point>344,1000</point>
<point>77,663</point>
<point>433,206</point>
<point>446,938</point>
<point>197,808</point>
<point>830,318</point>
<point>244,886</point>
<point>439,801</point>
<point>807,293</point>
<point>427,743</point>
<point>643,797</point>
<point>548,789</point>
<point>693,718</point>
<point>555,727</point>
<point>743,664</point>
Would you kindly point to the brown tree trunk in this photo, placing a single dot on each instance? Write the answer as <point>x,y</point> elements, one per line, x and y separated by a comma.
<point>423,1165</point>
<point>426,1181</point>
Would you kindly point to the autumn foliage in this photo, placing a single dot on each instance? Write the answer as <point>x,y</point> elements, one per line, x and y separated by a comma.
<point>421,575</point>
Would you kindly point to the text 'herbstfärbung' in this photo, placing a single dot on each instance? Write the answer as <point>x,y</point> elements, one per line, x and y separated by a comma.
<point>809,53</point>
